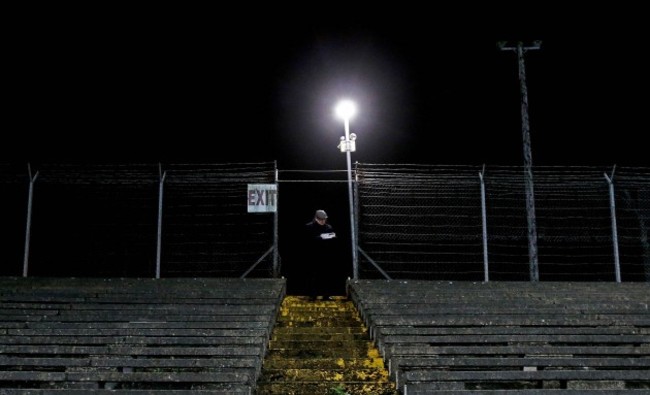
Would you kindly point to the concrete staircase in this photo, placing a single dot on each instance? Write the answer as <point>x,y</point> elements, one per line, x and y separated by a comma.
<point>320,347</point>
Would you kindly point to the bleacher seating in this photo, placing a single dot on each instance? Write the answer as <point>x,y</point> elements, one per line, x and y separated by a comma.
<point>510,337</point>
<point>135,336</point>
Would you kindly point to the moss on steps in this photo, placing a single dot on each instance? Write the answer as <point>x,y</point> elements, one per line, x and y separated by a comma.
<point>321,347</point>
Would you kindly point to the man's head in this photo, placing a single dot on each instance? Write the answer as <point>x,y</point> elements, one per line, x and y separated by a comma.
<point>320,215</point>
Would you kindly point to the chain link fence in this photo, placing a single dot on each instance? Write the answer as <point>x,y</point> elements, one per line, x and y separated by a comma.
<point>470,223</point>
<point>413,221</point>
<point>103,220</point>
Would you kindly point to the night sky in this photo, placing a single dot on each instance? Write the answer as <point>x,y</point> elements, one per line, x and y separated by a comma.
<point>250,83</point>
<point>253,84</point>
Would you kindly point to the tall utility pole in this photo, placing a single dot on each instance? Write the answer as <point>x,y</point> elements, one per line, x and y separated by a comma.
<point>520,49</point>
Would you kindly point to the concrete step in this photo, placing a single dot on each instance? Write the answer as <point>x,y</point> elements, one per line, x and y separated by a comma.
<point>329,330</point>
<point>342,344</point>
<point>327,388</point>
<point>313,322</point>
<point>324,352</point>
<point>347,319</point>
<point>278,362</point>
<point>324,374</point>
<point>319,336</point>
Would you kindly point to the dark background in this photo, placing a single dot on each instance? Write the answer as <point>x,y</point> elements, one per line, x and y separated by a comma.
<point>182,84</point>
<point>248,84</point>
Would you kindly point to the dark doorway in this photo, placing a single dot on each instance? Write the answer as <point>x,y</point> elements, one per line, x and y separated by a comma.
<point>298,201</point>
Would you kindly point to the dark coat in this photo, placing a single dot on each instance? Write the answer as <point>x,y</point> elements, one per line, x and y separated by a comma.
<point>318,259</point>
<point>314,232</point>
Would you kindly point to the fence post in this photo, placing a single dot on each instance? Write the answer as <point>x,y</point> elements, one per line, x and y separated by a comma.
<point>276,256</point>
<point>612,210</point>
<point>484,218</point>
<point>355,228</point>
<point>28,224</point>
<point>161,175</point>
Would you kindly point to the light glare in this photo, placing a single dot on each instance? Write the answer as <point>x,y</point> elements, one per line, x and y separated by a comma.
<point>345,109</point>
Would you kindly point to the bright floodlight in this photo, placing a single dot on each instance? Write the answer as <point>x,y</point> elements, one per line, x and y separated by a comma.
<point>346,109</point>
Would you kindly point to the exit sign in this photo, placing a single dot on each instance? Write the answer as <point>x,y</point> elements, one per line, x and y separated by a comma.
<point>262,198</point>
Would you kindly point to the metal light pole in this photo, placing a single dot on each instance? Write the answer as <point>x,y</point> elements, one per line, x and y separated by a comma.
<point>520,49</point>
<point>345,109</point>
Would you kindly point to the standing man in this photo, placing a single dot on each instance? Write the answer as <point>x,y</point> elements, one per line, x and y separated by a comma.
<point>319,243</point>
